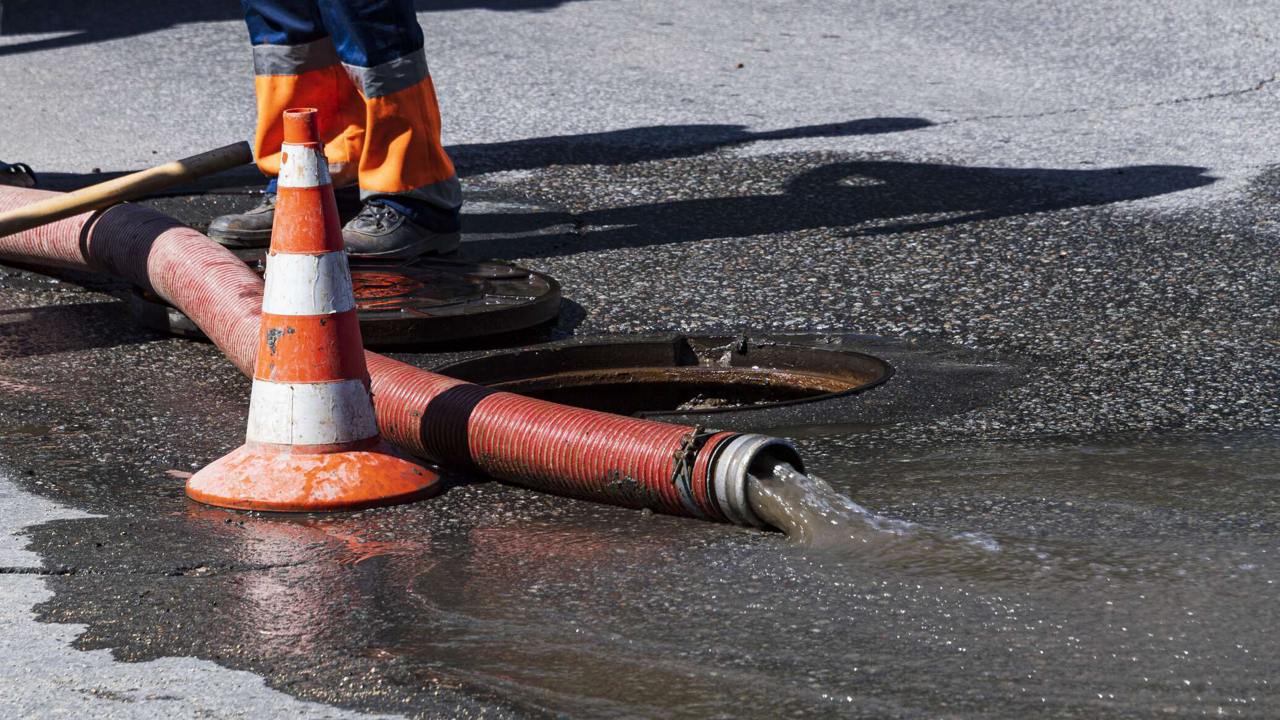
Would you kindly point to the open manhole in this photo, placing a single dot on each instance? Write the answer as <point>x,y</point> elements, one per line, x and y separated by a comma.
<point>425,302</point>
<point>678,375</point>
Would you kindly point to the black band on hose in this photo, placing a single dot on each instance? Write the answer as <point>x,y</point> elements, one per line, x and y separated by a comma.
<point>447,437</point>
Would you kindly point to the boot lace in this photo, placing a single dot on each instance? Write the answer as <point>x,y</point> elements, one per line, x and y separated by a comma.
<point>375,217</point>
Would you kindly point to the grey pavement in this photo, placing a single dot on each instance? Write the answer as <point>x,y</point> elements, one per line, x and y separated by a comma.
<point>1005,84</point>
<point>43,676</point>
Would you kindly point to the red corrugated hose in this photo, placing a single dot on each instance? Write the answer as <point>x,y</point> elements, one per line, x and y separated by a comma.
<point>570,451</point>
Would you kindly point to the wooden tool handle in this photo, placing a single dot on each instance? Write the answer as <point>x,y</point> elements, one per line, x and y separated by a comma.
<point>129,187</point>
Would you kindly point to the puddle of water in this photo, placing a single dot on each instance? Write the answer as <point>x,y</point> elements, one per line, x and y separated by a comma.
<point>1133,579</point>
<point>998,581</point>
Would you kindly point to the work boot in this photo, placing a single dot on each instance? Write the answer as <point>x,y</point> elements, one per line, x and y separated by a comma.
<point>249,229</point>
<point>18,174</point>
<point>381,232</point>
<point>252,228</point>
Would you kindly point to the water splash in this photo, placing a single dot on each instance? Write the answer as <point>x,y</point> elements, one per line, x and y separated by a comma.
<point>815,516</point>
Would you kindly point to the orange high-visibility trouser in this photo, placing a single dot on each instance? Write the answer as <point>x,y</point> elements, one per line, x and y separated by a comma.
<point>362,64</point>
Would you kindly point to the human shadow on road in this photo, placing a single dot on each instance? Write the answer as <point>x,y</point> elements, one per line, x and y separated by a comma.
<point>855,198</point>
<point>612,147</point>
<point>817,190</point>
<point>92,22</point>
<point>654,142</point>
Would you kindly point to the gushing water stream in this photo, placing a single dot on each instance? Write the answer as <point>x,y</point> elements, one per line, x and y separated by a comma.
<point>818,518</point>
<point>814,515</point>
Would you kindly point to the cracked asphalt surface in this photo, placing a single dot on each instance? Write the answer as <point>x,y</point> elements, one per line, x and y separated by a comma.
<point>1084,191</point>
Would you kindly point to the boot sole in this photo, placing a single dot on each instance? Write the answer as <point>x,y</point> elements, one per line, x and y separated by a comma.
<point>246,239</point>
<point>435,245</point>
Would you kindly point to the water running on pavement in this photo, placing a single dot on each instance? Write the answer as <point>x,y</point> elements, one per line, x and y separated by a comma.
<point>815,516</point>
<point>831,525</point>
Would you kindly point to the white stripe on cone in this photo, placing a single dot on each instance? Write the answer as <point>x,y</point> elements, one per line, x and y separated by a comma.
<point>310,413</point>
<point>303,167</point>
<point>308,285</point>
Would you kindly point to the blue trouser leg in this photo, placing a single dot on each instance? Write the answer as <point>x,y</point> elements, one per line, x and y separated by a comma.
<point>362,63</point>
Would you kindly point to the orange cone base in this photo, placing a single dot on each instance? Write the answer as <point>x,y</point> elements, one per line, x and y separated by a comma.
<point>256,478</point>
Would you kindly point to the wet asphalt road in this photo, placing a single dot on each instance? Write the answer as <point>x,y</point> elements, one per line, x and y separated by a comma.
<point>1082,193</point>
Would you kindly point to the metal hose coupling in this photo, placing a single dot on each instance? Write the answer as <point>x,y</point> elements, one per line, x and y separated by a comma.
<point>741,458</point>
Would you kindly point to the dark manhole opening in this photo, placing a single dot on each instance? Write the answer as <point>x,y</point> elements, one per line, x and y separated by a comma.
<point>682,375</point>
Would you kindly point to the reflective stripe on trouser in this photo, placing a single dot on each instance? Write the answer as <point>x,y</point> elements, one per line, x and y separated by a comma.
<point>361,63</point>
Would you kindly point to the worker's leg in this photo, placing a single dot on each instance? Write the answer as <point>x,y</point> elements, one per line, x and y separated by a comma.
<point>295,65</point>
<point>403,164</point>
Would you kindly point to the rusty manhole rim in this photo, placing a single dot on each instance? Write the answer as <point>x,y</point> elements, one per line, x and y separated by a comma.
<point>501,299</point>
<point>877,369</point>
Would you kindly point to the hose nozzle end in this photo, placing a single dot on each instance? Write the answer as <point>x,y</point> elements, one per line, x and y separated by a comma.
<point>738,460</point>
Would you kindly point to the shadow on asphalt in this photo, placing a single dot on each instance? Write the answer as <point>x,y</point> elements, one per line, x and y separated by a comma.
<point>90,22</point>
<point>54,329</point>
<point>613,147</point>
<point>818,190</point>
<point>857,198</point>
<point>654,142</point>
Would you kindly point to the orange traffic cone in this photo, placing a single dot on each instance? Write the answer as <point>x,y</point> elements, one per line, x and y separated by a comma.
<point>312,443</point>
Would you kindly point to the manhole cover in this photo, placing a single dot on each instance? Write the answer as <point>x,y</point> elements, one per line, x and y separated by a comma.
<point>677,375</point>
<point>428,301</point>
